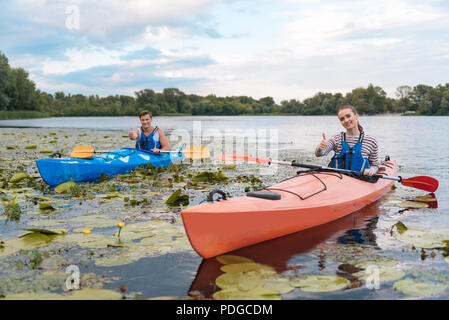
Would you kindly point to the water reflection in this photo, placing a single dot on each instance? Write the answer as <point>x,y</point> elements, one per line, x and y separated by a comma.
<point>356,228</point>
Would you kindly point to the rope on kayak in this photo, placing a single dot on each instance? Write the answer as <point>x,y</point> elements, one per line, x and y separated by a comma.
<point>312,172</point>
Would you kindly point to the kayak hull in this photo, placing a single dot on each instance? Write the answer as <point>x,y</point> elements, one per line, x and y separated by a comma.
<point>60,170</point>
<point>306,201</point>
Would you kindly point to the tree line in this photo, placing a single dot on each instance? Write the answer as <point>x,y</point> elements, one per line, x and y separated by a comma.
<point>19,93</point>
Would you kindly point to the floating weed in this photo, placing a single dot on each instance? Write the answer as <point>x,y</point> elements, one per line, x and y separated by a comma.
<point>208,176</point>
<point>177,199</point>
<point>13,210</point>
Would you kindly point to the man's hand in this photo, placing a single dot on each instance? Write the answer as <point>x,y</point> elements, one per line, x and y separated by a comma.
<point>133,134</point>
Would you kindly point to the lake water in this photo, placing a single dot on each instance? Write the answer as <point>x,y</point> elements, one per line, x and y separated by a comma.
<point>420,145</point>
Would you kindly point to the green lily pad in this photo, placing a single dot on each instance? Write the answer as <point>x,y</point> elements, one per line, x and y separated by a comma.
<point>46,151</point>
<point>85,294</point>
<point>414,287</point>
<point>320,283</point>
<point>43,231</point>
<point>31,146</point>
<point>427,239</point>
<point>230,259</point>
<point>27,242</point>
<point>19,177</point>
<point>46,206</point>
<point>65,187</point>
<point>258,293</point>
<point>385,274</point>
<point>411,204</point>
<point>244,267</point>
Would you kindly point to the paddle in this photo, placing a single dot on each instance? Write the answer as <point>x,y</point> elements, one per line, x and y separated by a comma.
<point>192,152</point>
<point>420,182</point>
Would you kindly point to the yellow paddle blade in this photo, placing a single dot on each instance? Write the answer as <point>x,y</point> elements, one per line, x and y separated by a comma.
<point>82,152</point>
<point>196,152</point>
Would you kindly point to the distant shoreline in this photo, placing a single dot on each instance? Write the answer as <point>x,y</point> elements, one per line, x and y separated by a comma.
<point>28,115</point>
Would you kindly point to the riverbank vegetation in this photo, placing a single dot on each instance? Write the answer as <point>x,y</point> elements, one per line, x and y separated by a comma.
<point>19,98</point>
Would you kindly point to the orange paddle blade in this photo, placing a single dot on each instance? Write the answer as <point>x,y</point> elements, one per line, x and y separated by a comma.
<point>421,182</point>
<point>196,152</point>
<point>82,152</point>
<point>241,157</point>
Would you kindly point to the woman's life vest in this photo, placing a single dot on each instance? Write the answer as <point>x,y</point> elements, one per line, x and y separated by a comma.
<point>350,158</point>
<point>148,142</point>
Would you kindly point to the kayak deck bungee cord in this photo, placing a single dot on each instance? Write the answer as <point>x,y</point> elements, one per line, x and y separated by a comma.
<point>306,200</point>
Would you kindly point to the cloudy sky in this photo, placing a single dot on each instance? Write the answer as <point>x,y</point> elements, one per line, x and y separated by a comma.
<point>287,49</point>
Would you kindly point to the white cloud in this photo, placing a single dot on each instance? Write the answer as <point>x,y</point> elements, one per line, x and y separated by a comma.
<point>83,59</point>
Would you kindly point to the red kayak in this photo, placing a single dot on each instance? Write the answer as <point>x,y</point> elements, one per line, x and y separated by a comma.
<point>307,200</point>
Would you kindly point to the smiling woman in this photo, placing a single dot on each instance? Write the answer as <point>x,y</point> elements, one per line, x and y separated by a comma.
<point>354,150</point>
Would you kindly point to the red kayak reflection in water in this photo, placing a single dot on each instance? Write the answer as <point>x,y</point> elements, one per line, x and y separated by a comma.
<point>357,227</point>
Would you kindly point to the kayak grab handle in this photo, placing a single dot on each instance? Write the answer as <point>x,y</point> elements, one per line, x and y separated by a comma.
<point>210,196</point>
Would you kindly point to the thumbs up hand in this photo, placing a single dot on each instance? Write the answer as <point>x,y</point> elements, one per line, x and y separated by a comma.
<point>323,143</point>
<point>133,134</point>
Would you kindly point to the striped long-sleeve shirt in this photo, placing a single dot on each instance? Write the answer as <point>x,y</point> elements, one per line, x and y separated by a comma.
<point>369,147</point>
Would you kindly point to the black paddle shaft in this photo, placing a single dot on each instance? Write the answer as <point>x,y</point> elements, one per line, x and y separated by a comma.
<point>315,167</point>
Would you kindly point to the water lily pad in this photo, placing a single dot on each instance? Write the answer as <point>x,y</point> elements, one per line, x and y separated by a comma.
<point>426,198</point>
<point>427,239</point>
<point>27,242</point>
<point>385,274</point>
<point>258,293</point>
<point>46,206</point>
<point>46,151</point>
<point>411,204</point>
<point>19,177</point>
<point>43,231</point>
<point>65,187</point>
<point>320,283</point>
<point>31,146</point>
<point>379,262</point>
<point>414,287</point>
<point>244,267</point>
<point>85,294</point>
<point>95,221</point>
<point>230,259</point>
<point>279,284</point>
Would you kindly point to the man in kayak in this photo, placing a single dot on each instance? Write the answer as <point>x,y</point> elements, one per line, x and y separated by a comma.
<point>147,137</point>
<point>354,150</point>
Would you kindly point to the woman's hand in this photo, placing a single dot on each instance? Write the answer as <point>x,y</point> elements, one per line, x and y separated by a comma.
<point>155,150</point>
<point>323,143</point>
<point>369,172</point>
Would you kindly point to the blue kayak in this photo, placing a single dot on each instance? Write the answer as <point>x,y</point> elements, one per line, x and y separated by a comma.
<point>57,171</point>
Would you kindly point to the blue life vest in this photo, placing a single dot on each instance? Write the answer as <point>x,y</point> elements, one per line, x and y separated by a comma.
<point>350,158</point>
<point>148,142</point>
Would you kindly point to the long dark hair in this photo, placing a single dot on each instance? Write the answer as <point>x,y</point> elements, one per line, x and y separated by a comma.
<point>348,106</point>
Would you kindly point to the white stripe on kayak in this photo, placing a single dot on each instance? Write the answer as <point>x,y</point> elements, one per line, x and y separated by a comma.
<point>125,159</point>
<point>145,157</point>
